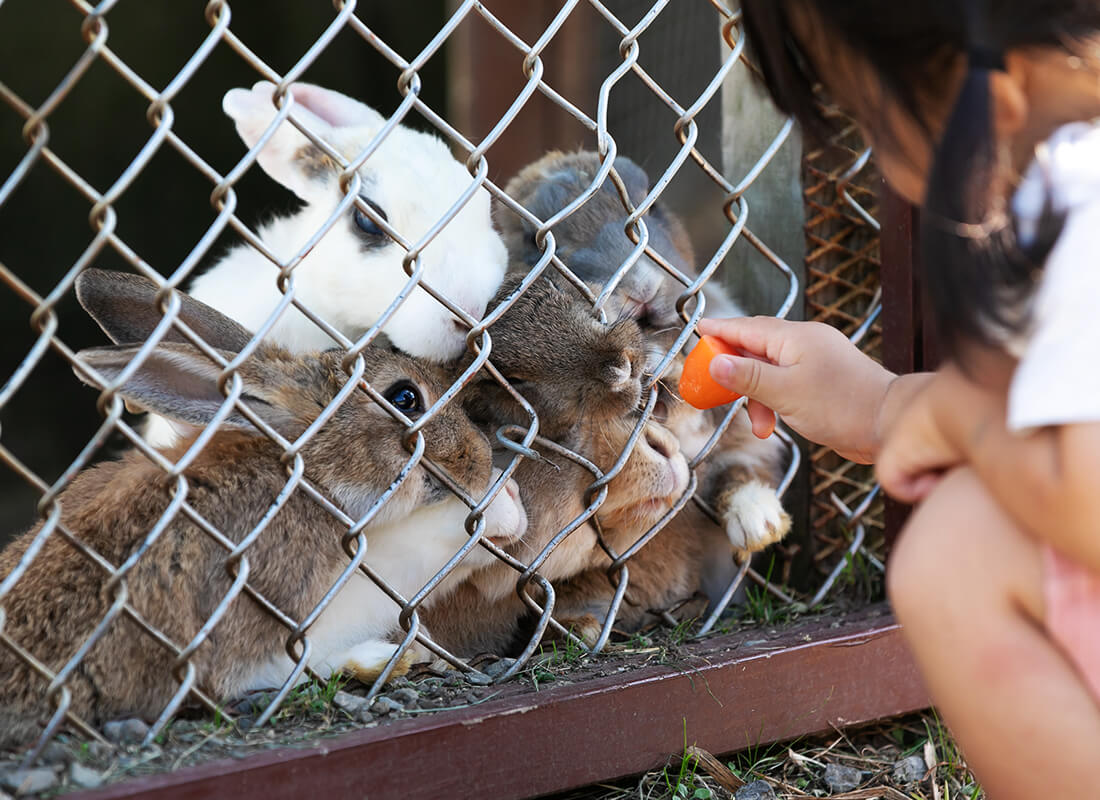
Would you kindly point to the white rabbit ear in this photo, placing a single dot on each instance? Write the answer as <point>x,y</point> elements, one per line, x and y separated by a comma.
<point>288,156</point>
<point>338,110</point>
<point>177,381</point>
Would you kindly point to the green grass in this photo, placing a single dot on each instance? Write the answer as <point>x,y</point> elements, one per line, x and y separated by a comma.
<point>553,659</point>
<point>761,606</point>
<point>754,761</point>
<point>308,698</point>
<point>681,780</point>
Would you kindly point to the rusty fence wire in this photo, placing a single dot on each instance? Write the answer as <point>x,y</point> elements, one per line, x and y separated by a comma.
<point>841,289</point>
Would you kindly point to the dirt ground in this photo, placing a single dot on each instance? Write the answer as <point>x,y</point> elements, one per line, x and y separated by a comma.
<point>907,758</point>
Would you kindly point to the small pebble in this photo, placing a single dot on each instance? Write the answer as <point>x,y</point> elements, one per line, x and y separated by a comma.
<point>437,667</point>
<point>84,777</point>
<point>757,790</point>
<point>352,704</point>
<point>842,779</point>
<point>406,697</point>
<point>56,753</point>
<point>22,782</point>
<point>478,679</point>
<point>910,770</point>
<point>453,677</point>
<point>400,683</point>
<point>498,668</point>
<point>100,751</point>
<point>383,705</point>
<point>125,731</point>
<point>471,697</point>
<point>180,726</point>
<point>253,703</point>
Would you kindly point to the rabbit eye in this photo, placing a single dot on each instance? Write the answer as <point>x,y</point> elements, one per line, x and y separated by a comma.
<point>368,225</point>
<point>405,398</point>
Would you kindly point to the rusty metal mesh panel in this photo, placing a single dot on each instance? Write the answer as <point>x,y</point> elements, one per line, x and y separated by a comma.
<point>65,677</point>
<point>843,290</point>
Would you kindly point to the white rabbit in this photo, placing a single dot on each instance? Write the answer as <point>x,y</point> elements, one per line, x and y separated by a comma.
<point>233,483</point>
<point>355,271</point>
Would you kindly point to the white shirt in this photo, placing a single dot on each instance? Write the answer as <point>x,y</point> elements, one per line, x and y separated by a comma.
<point>1058,377</point>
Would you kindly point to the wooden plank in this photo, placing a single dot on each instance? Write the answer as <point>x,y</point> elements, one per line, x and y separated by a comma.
<point>729,693</point>
<point>486,76</point>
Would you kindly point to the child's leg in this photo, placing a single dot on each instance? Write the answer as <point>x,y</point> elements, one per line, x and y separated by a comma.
<point>965,583</point>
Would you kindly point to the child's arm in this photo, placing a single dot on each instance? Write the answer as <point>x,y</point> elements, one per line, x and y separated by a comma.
<point>1046,480</point>
<point>812,376</point>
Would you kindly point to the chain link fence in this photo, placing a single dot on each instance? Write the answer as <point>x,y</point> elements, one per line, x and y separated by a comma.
<point>590,550</point>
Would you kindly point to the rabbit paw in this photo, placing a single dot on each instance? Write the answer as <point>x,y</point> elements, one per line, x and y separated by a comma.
<point>754,516</point>
<point>366,661</point>
<point>586,627</point>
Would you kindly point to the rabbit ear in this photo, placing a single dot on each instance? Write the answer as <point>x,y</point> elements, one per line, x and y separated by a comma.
<point>288,156</point>
<point>179,382</point>
<point>338,110</point>
<point>125,307</point>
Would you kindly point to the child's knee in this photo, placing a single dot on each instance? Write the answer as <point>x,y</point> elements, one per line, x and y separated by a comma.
<point>922,568</point>
<point>960,549</point>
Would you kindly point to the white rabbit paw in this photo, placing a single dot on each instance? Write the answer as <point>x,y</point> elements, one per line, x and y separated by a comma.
<point>366,661</point>
<point>754,516</point>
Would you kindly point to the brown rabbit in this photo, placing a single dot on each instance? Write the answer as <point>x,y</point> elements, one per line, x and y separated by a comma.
<point>573,371</point>
<point>233,485</point>
<point>740,475</point>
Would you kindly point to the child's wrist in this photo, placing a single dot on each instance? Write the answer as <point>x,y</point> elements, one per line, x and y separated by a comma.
<point>896,394</point>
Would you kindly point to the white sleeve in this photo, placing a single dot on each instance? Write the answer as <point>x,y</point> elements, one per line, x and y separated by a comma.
<point>1058,377</point>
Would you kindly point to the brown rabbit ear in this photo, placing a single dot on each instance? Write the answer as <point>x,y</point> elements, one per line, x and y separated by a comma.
<point>126,309</point>
<point>178,381</point>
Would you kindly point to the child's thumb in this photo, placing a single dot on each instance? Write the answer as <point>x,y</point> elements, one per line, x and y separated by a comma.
<point>756,379</point>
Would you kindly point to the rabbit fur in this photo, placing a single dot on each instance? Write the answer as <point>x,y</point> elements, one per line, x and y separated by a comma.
<point>352,275</point>
<point>232,483</point>
<point>739,477</point>
<point>584,382</point>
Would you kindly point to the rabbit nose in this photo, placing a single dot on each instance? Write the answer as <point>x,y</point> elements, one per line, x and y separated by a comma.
<point>661,441</point>
<point>621,374</point>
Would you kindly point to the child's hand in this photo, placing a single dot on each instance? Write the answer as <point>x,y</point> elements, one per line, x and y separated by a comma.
<point>930,435</point>
<point>915,450</point>
<point>807,372</point>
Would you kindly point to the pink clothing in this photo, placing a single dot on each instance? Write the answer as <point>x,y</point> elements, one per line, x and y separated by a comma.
<point>1072,596</point>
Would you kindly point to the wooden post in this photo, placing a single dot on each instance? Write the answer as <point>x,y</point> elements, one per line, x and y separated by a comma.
<point>903,330</point>
<point>776,212</point>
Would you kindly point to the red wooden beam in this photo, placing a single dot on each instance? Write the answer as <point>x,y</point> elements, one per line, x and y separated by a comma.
<point>728,693</point>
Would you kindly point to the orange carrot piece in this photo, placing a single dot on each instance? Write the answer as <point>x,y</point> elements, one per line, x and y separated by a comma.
<point>696,385</point>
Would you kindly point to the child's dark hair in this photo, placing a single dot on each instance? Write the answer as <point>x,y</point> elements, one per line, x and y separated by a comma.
<point>977,277</point>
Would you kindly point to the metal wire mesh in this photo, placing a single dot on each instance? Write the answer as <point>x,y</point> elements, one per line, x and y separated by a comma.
<point>841,291</point>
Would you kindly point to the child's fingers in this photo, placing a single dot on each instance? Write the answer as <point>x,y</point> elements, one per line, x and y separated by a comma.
<point>761,336</point>
<point>757,380</point>
<point>909,488</point>
<point>762,418</point>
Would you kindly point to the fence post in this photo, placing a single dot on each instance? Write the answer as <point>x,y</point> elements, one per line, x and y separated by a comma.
<point>903,329</point>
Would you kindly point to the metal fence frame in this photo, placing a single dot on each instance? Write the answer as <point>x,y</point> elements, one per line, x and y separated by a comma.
<point>872,639</point>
